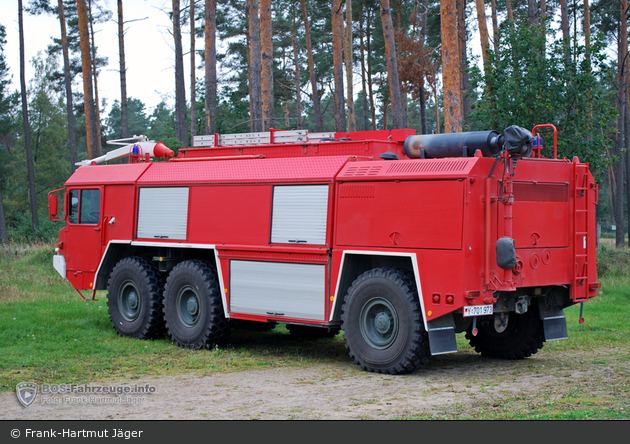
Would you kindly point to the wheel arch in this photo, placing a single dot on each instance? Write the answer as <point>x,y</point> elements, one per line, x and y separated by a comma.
<point>174,253</point>
<point>355,263</point>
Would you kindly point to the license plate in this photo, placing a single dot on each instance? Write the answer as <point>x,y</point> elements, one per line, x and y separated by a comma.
<point>478,310</point>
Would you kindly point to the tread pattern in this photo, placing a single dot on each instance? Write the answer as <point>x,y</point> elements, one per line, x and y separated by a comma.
<point>523,338</point>
<point>217,329</point>
<point>154,327</point>
<point>417,354</point>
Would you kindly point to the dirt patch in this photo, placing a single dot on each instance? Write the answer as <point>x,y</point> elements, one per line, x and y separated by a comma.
<point>341,391</point>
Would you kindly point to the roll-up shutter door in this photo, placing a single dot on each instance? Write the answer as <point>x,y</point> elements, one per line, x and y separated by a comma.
<point>299,215</point>
<point>163,213</point>
<point>278,289</point>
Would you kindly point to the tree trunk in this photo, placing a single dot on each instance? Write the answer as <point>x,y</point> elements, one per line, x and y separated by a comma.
<point>72,137</point>
<point>483,32</point>
<point>622,97</point>
<point>181,127</point>
<point>437,108</point>
<point>532,12</point>
<point>266,49</point>
<point>495,28</point>
<point>385,108</point>
<point>626,120</point>
<point>27,129</point>
<point>463,59</point>
<point>211,66</point>
<point>587,34</point>
<point>369,70</point>
<point>392,65</point>
<point>366,120</point>
<point>403,94</point>
<point>627,146</point>
<point>317,107</point>
<point>193,72</point>
<point>296,61</point>
<point>88,98</point>
<point>564,14</point>
<point>510,13</point>
<point>4,235</point>
<point>97,108</point>
<point>543,24</point>
<point>123,72</point>
<point>451,68</point>
<point>255,66</point>
<point>422,95</point>
<point>348,53</point>
<point>337,33</point>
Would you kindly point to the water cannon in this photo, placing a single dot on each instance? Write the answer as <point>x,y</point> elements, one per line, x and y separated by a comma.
<point>137,148</point>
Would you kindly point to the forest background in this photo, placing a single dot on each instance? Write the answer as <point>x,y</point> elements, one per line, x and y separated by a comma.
<point>434,66</point>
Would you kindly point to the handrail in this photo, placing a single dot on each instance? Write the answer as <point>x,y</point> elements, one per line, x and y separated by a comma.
<point>555,138</point>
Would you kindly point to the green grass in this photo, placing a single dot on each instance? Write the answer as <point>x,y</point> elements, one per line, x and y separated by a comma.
<point>48,334</point>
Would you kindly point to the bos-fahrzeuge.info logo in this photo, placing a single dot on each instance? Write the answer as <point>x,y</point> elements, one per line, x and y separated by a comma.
<point>26,392</point>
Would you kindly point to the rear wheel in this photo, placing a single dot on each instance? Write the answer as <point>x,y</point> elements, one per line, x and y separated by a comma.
<point>522,337</point>
<point>382,322</point>
<point>134,298</point>
<point>192,306</point>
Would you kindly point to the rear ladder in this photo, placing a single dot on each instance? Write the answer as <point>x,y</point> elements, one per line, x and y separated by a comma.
<point>579,290</point>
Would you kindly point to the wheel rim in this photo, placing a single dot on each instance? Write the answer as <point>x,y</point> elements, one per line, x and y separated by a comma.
<point>129,301</point>
<point>379,323</point>
<point>188,306</point>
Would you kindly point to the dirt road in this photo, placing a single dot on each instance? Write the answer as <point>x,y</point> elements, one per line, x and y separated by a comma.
<point>450,386</point>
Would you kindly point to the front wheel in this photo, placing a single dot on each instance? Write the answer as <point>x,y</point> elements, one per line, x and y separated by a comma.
<point>382,322</point>
<point>192,306</point>
<point>134,298</point>
<point>522,337</point>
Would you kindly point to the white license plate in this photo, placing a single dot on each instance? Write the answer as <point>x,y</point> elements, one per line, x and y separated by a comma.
<point>478,310</point>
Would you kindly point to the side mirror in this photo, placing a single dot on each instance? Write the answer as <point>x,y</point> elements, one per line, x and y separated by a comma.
<point>53,207</point>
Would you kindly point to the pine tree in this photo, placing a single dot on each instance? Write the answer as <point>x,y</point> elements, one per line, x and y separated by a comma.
<point>210,53</point>
<point>88,97</point>
<point>27,129</point>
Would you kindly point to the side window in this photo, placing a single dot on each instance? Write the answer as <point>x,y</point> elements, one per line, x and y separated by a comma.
<point>85,205</point>
<point>74,206</point>
<point>90,209</point>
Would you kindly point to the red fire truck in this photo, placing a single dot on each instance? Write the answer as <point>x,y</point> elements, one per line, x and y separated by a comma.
<point>399,240</point>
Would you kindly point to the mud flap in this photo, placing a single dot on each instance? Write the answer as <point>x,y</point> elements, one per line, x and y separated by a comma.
<point>442,335</point>
<point>554,323</point>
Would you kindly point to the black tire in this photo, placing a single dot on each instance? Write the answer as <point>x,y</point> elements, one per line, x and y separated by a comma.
<point>523,336</point>
<point>382,322</point>
<point>306,332</point>
<point>192,306</point>
<point>134,298</point>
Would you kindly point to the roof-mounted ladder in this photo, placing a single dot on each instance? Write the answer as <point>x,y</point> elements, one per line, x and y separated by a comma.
<point>261,138</point>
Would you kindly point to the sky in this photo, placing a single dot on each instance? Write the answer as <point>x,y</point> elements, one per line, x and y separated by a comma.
<point>149,54</point>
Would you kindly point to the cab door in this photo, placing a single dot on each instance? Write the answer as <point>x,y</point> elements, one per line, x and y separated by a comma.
<point>84,235</point>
